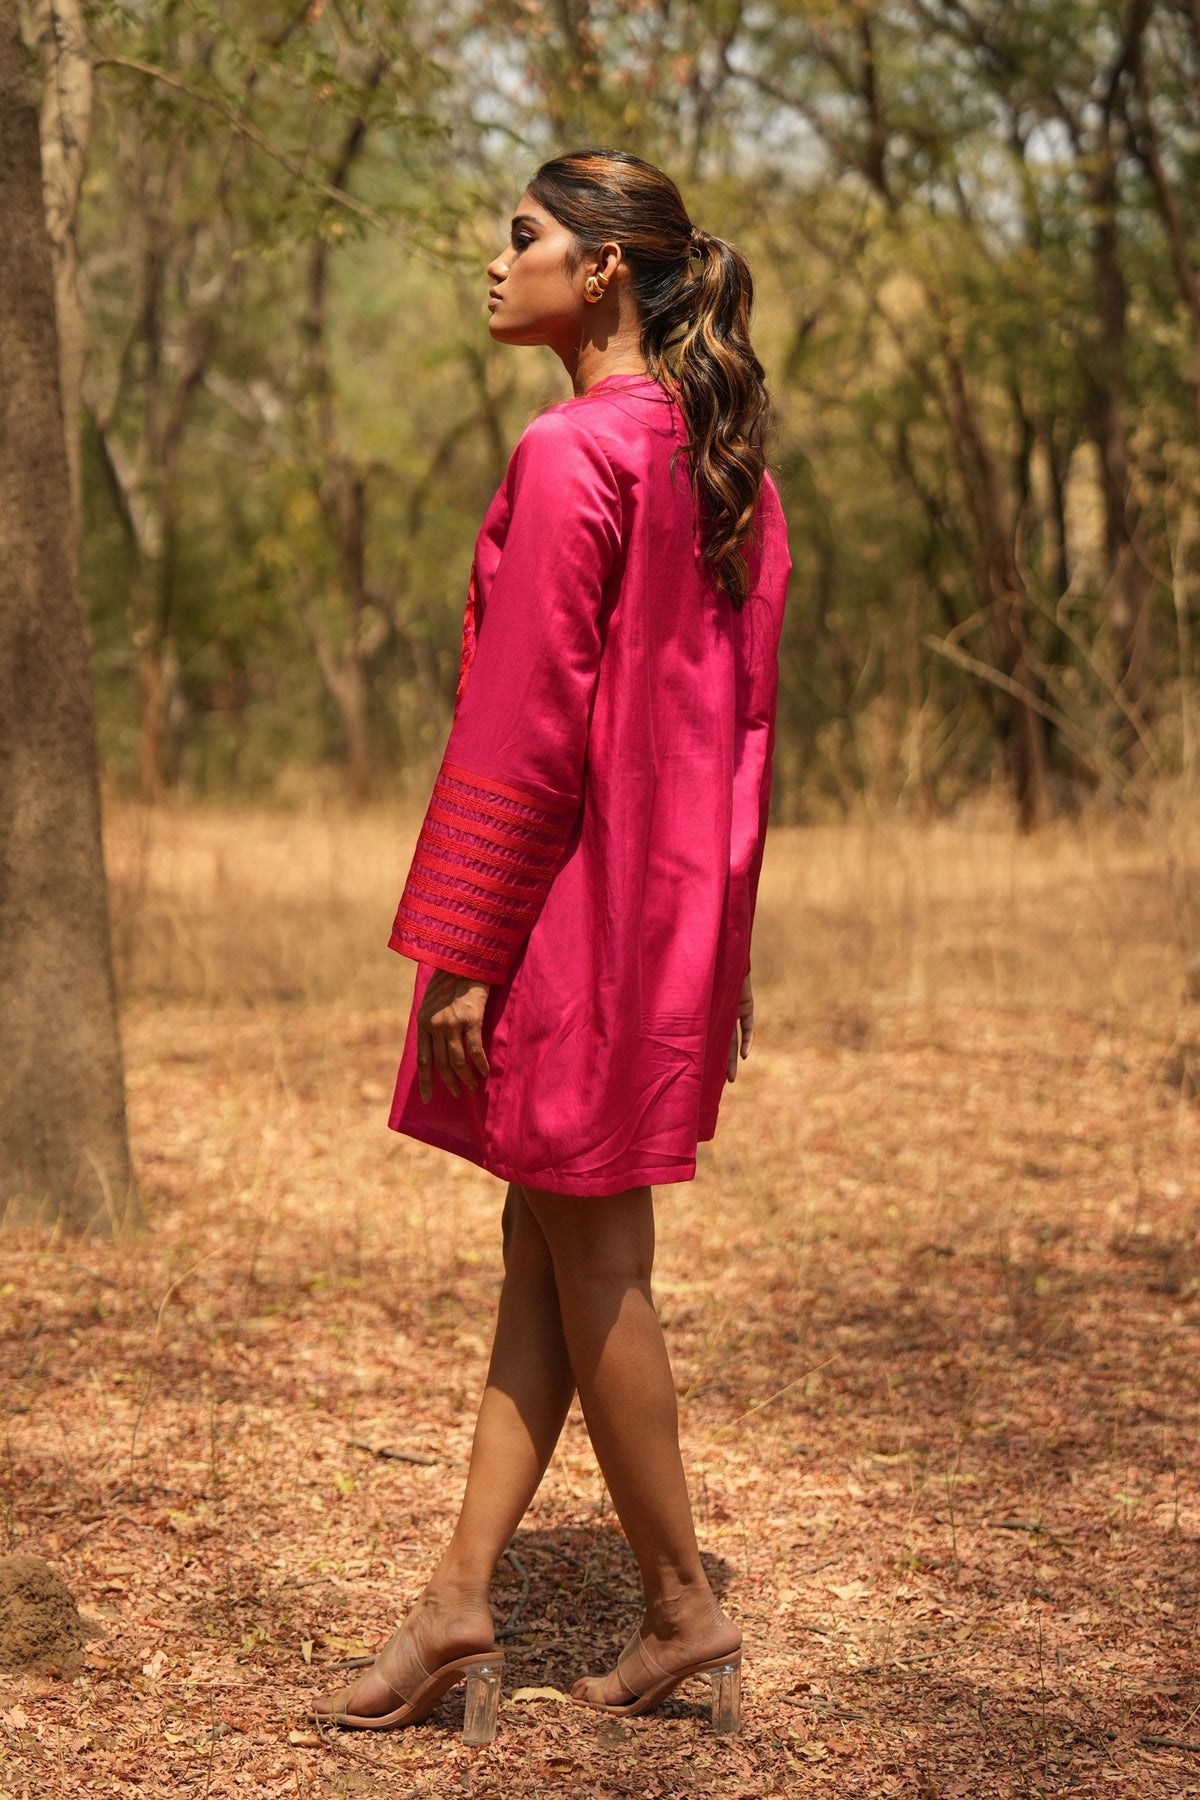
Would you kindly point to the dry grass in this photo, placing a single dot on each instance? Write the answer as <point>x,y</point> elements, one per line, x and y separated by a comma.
<point>933,1301</point>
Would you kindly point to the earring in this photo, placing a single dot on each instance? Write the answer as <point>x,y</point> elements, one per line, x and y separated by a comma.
<point>594,286</point>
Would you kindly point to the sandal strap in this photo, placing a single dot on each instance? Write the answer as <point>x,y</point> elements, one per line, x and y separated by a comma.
<point>637,1642</point>
<point>425,1673</point>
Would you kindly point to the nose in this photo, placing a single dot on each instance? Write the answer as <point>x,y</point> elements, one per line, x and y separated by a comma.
<point>497,269</point>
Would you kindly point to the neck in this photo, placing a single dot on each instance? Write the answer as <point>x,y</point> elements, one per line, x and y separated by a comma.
<point>593,362</point>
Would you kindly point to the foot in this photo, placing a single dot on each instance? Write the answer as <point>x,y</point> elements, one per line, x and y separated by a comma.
<point>669,1640</point>
<point>439,1628</point>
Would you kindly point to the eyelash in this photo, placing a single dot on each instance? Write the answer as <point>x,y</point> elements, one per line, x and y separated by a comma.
<point>521,240</point>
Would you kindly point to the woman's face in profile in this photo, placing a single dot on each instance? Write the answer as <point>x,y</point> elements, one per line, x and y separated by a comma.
<point>535,298</point>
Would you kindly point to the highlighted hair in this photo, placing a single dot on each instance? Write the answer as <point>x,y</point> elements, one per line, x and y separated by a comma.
<point>694,293</point>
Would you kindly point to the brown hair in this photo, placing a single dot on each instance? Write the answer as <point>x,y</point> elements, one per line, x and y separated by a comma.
<point>694,293</point>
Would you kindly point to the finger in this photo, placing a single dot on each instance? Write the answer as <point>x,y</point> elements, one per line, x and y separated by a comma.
<point>731,1059</point>
<point>424,1063</point>
<point>458,1058</point>
<point>747,1035</point>
<point>441,1062</point>
<point>475,1049</point>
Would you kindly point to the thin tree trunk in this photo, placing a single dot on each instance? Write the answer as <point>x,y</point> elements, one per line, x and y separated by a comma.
<point>1127,559</point>
<point>64,1155</point>
<point>341,491</point>
<point>66,130</point>
<point>1004,597</point>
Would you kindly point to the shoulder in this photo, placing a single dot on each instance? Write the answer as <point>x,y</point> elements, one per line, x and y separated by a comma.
<point>771,524</point>
<point>560,448</point>
<point>619,423</point>
<point>770,506</point>
<point>561,430</point>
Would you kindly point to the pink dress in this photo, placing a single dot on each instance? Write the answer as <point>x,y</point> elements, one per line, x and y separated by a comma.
<point>594,839</point>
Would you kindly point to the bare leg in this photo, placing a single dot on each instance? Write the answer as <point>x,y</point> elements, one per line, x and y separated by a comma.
<point>603,1253</point>
<point>529,1389</point>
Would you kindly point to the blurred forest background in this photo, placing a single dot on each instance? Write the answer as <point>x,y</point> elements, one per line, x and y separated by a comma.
<point>934,1296</point>
<point>976,233</point>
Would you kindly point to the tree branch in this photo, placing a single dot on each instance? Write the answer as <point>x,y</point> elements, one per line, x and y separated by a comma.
<point>336,195</point>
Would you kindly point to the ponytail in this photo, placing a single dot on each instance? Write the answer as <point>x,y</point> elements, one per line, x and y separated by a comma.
<point>724,400</point>
<point>694,293</point>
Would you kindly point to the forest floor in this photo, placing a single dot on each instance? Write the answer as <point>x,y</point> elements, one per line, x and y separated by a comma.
<point>932,1301</point>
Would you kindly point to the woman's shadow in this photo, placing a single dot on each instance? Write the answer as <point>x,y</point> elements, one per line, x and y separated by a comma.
<point>567,1600</point>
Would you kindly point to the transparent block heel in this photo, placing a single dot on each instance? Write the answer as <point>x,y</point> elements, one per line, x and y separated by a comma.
<point>482,1709</point>
<point>727,1695</point>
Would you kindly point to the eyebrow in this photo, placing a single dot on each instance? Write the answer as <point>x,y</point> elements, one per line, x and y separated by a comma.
<point>524,219</point>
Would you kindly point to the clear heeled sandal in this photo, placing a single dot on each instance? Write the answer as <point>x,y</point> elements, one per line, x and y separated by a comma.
<point>727,1694</point>
<point>482,1674</point>
<point>724,1674</point>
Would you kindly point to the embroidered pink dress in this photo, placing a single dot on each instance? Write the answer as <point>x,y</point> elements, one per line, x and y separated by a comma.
<point>594,839</point>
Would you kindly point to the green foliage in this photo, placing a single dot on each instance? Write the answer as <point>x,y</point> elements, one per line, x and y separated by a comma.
<point>973,303</point>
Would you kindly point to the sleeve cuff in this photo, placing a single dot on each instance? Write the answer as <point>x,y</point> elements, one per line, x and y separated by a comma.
<point>483,865</point>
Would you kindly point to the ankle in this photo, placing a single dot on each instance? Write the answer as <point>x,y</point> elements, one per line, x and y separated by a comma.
<point>448,1594</point>
<point>682,1610</point>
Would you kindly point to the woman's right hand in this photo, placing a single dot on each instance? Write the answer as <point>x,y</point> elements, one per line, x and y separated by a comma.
<point>450,1033</point>
<point>744,1028</point>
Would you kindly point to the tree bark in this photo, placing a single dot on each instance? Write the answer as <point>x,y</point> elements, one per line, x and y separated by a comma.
<point>1128,559</point>
<point>341,493</point>
<point>64,1154</point>
<point>66,129</point>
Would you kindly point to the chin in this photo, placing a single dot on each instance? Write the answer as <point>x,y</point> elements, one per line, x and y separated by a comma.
<point>511,331</point>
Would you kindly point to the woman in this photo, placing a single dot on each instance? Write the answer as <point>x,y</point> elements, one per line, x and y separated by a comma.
<point>582,891</point>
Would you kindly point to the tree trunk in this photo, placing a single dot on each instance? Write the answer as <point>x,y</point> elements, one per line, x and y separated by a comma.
<point>64,1154</point>
<point>1128,559</point>
<point>66,131</point>
<point>1004,598</point>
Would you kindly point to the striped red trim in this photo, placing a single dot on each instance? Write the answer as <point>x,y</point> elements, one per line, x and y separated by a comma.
<point>495,831</point>
<point>419,902</point>
<point>485,785</point>
<point>458,847</point>
<point>483,865</point>
<point>484,879</point>
<point>436,887</point>
<point>430,938</point>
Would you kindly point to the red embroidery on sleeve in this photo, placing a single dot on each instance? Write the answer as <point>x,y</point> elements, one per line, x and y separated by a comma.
<point>467,654</point>
<point>483,865</point>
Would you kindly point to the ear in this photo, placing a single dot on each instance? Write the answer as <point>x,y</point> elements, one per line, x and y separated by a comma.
<point>608,260</point>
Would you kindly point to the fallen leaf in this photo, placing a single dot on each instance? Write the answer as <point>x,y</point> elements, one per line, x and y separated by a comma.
<point>851,1590</point>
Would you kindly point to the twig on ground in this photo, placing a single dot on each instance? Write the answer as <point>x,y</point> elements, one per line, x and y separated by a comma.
<point>920,1656</point>
<point>390,1455</point>
<point>1034,1526</point>
<point>817,1706</point>
<point>509,1628</point>
<point>93,1274</point>
<point>1152,1739</point>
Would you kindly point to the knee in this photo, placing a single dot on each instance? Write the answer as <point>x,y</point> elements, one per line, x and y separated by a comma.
<point>598,1241</point>
<point>525,1247</point>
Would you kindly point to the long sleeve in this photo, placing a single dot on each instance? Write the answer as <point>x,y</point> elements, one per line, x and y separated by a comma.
<point>510,785</point>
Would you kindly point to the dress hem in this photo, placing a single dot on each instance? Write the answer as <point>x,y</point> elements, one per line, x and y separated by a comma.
<point>551,1182</point>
